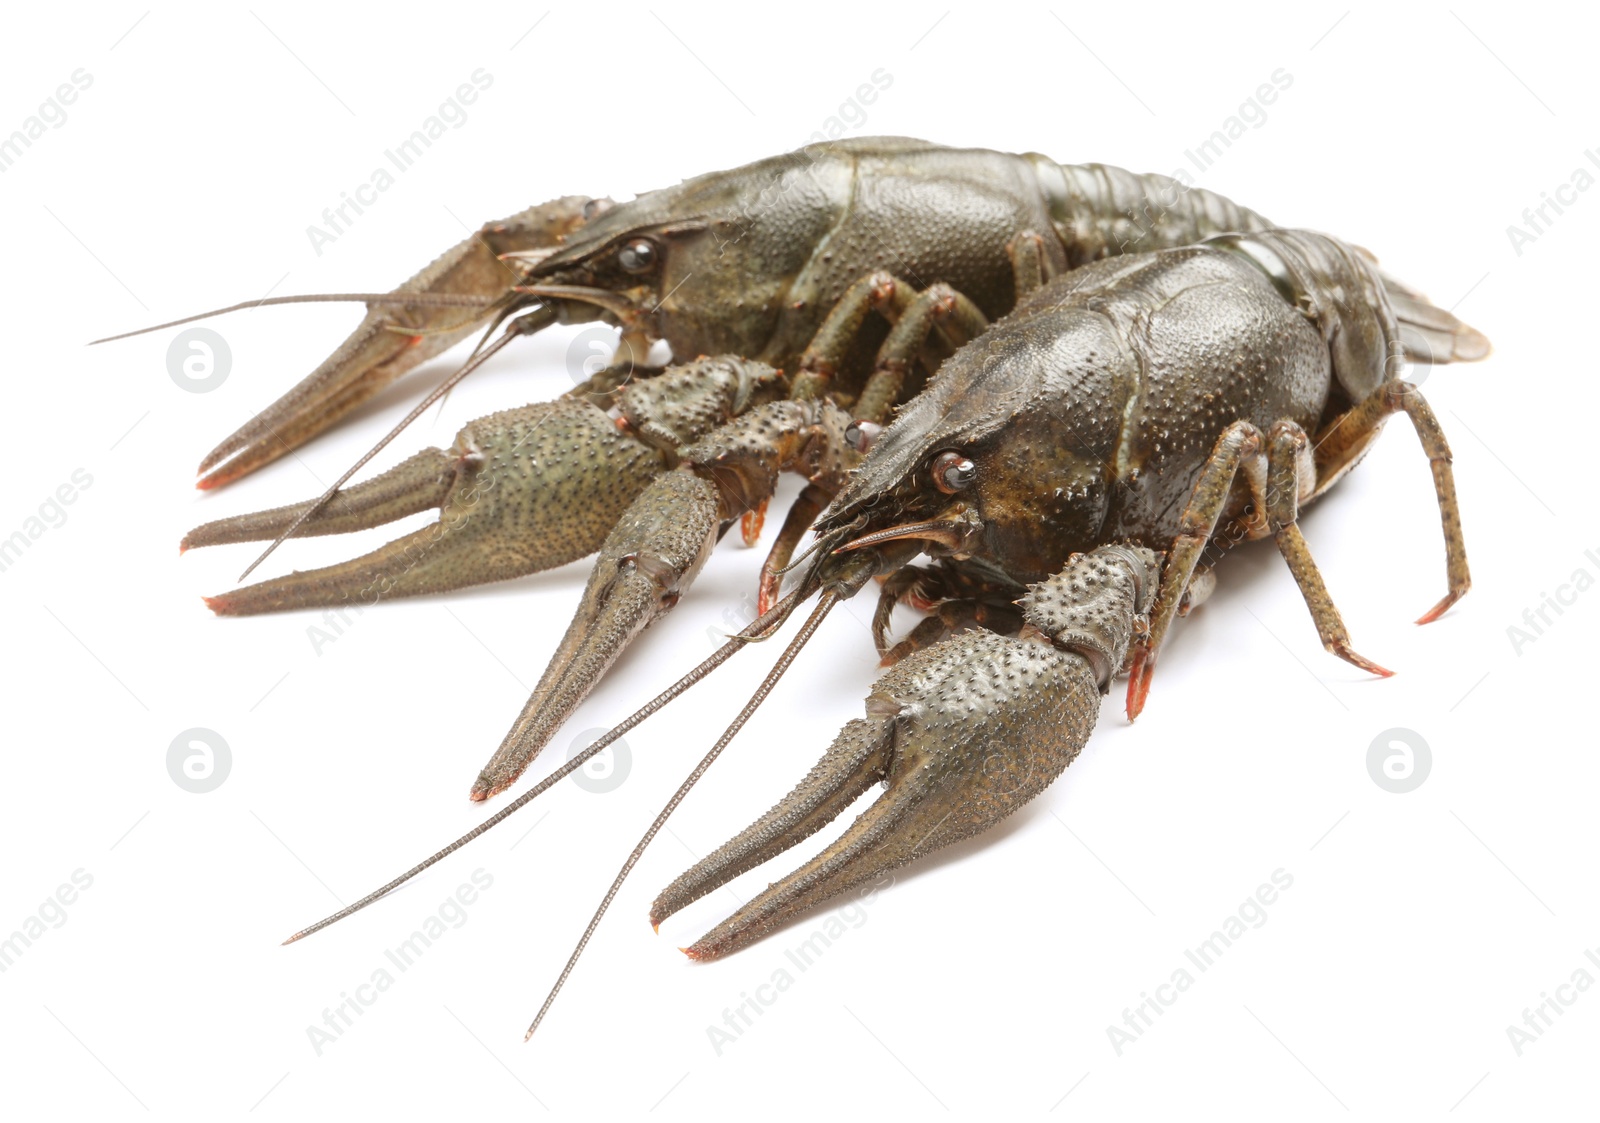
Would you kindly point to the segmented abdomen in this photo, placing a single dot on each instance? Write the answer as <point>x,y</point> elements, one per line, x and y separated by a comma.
<point>1101,211</point>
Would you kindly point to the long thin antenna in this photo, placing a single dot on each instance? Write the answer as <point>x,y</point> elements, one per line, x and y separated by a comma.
<point>824,605</point>
<point>533,321</point>
<point>773,618</point>
<point>418,299</point>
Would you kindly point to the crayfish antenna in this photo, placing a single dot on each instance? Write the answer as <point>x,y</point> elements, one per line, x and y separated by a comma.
<point>416,299</point>
<point>825,605</point>
<point>758,629</point>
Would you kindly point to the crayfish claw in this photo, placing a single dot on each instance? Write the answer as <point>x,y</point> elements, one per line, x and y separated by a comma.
<point>520,491</point>
<point>962,733</point>
<point>395,338</point>
<point>651,556</point>
<point>415,485</point>
<point>856,760</point>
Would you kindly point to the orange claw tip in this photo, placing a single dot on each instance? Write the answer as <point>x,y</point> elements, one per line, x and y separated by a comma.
<point>1136,701</point>
<point>216,604</point>
<point>215,479</point>
<point>1439,609</point>
<point>1356,659</point>
<point>1138,685</point>
<point>489,784</point>
<point>690,952</point>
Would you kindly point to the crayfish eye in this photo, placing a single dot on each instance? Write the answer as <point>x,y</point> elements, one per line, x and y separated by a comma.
<point>860,435</point>
<point>952,472</point>
<point>638,256</point>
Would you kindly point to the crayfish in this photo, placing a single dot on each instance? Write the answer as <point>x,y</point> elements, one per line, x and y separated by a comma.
<point>1069,389</point>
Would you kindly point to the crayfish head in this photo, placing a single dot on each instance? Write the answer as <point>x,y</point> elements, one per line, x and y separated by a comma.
<point>927,499</point>
<point>618,269</point>
<point>1008,455</point>
<point>707,265</point>
<point>878,542</point>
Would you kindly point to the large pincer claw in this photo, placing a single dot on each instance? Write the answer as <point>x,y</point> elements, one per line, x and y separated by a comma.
<point>393,338</point>
<point>656,550</point>
<point>961,734</point>
<point>518,492</point>
<point>645,565</point>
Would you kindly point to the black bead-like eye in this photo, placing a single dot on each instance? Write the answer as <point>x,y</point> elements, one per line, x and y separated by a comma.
<point>638,256</point>
<point>860,435</point>
<point>952,472</point>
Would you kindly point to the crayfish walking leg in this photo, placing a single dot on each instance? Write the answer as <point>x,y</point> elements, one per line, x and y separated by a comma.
<point>1280,468</point>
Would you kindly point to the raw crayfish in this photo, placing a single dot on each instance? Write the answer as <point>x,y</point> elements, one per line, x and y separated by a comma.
<point>1066,470</point>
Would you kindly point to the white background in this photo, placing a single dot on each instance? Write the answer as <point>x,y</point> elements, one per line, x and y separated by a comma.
<point>1418,927</point>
